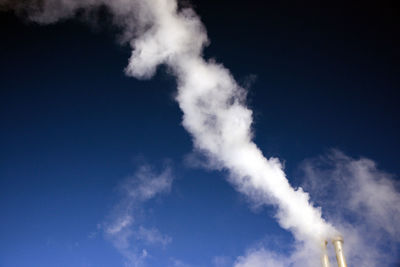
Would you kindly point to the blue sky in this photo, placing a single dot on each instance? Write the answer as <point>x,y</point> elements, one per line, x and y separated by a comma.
<point>77,133</point>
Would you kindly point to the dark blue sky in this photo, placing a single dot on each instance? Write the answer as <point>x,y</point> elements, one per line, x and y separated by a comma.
<point>73,126</point>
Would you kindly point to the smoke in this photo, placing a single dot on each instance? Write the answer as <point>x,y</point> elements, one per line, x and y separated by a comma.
<point>360,199</point>
<point>213,104</point>
<point>268,253</point>
<point>366,207</point>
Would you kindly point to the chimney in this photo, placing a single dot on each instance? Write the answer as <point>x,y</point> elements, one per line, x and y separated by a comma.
<point>325,258</point>
<point>338,244</point>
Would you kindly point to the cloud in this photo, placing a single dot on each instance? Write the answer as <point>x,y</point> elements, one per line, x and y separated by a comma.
<point>145,184</point>
<point>152,236</point>
<point>123,226</point>
<point>178,263</point>
<point>222,261</point>
<point>261,258</point>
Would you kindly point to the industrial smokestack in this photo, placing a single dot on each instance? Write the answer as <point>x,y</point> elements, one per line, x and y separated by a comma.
<point>325,258</point>
<point>338,244</point>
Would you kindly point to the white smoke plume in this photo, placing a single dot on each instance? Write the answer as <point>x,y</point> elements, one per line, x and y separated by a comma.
<point>212,102</point>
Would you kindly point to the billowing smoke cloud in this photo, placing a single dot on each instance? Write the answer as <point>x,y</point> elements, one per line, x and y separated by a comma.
<point>360,199</point>
<point>366,206</point>
<point>212,102</point>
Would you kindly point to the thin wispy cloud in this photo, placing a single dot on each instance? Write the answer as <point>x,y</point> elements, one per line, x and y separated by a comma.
<point>261,257</point>
<point>221,261</point>
<point>152,236</point>
<point>178,263</point>
<point>125,227</point>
